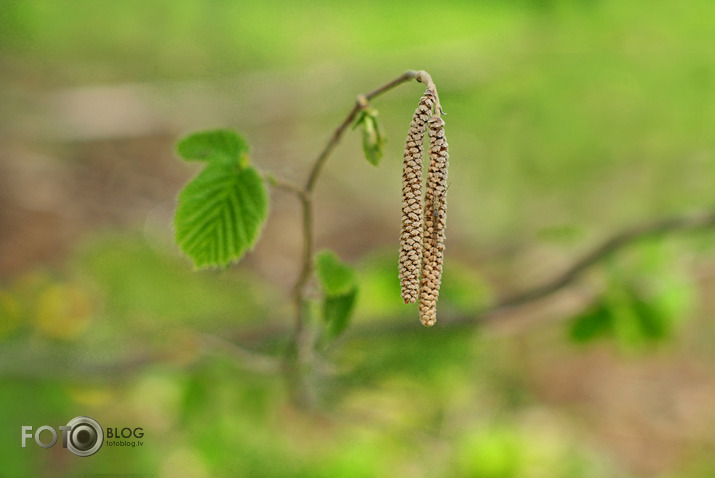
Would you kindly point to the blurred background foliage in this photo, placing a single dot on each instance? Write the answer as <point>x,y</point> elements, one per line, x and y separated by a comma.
<point>567,121</point>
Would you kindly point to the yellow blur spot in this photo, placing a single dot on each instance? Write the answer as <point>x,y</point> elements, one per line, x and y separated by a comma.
<point>63,311</point>
<point>92,397</point>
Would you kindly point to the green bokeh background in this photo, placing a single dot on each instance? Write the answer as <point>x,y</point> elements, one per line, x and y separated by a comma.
<point>567,121</point>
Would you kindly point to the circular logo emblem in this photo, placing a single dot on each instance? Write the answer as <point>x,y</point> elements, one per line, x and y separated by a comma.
<point>85,437</point>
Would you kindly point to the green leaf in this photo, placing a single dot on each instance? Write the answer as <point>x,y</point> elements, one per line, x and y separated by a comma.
<point>646,299</point>
<point>654,323</point>
<point>339,282</point>
<point>336,277</point>
<point>214,144</point>
<point>627,321</point>
<point>220,213</point>
<point>337,311</point>
<point>596,321</point>
<point>372,138</point>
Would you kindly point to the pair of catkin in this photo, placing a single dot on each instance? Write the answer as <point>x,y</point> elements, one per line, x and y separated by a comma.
<point>422,234</point>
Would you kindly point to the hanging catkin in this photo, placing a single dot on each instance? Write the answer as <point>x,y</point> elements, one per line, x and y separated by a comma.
<point>411,232</point>
<point>434,222</point>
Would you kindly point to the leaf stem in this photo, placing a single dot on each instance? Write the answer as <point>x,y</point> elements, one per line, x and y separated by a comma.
<point>285,185</point>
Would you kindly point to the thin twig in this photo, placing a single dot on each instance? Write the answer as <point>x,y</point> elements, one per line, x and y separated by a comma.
<point>306,198</point>
<point>286,186</point>
<point>337,134</point>
<point>299,350</point>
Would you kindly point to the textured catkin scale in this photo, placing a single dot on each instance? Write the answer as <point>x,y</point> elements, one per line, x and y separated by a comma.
<point>411,231</point>
<point>434,222</point>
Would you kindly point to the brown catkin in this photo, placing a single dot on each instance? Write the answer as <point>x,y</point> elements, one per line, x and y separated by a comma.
<point>411,232</point>
<point>435,219</point>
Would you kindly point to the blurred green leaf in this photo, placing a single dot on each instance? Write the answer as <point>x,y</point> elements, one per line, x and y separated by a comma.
<point>628,323</point>
<point>655,322</point>
<point>646,297</point>
<point>595,322</point>
<point>214,144</point>
<point>339,282</point>
<point>500,453</point>
<point>336,277</point>
<point>372,138</point>
<point>220,213</point>
<point>337,311</point>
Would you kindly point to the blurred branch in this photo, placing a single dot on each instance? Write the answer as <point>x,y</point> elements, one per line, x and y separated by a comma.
<point>605,250</point>
<point>501,311</point>
<point>47,363</point>
<point>506,308</point>
<point>251,361</point>
<point>571,275</point>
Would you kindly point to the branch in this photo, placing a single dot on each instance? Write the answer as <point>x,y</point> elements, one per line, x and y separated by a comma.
<point>606,249</point>
<point>301,340</point>
<point>266,364</point>
<point>43,363</point>
<point>306,196</point>
<point>360,103</point>
<point>300,347</point>
<point>251,361</point>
